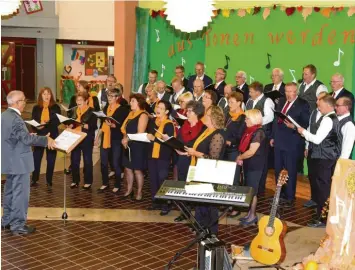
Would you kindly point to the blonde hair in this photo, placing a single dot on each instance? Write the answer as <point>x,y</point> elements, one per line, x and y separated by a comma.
<point>186,97</point>
<point>217,116</point>
<point>255,116</point>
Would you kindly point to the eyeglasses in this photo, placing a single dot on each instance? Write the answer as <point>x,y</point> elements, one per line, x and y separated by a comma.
<point>337,105</point>
<point>112,96</point>
<point>23,100</point>
<point>334,81</point>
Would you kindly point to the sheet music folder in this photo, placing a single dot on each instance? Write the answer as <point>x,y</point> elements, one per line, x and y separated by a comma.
<point>69,139</point>
<point>174,143</point>
<point>275,94</point>
<point>286,117</point>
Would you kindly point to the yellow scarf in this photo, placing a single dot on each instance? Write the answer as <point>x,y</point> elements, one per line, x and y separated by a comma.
<point>199,140</point>
<point>131,116</point>
<point>161,125</point>
<point>91,102</point>
<point>235,116</point>
<point>106,129</point>
<point>45,113</point>
<point>79,114</point>
<point>203,119</point>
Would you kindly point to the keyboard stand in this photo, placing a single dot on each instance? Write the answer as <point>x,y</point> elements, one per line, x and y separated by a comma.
<point>201,233</point>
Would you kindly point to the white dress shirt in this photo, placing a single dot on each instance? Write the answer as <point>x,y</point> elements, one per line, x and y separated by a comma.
<point>16,110</point>
<point>201,78</point>
<point>99,95</point>
<point>336,93</point>
<point>348,132</point>
<point>240,86</point>
<point>197,99</point>
<point>277,87</point>
<point>269,108</point>
<point>309,125</point>
<point>325,127</point>
<point>160,96</point>
<point>320,89</point>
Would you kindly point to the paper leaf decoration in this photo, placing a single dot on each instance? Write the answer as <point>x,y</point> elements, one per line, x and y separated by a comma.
<point>266,13</point>
<point>316,9</point>
<point>226,13</point>
<point>306,12</point>
<point>241,12</point>
<point>299,9</point>
<point>351,11</point>
<point>326,12</point>
<point>282,8</point>
<point>249,10</point>
<point>256,10</point>
<point>290,11</point>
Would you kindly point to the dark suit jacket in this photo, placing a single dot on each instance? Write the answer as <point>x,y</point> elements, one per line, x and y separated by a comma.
<point>172,101</point>
<point>284,137</point>
<point>270,86</point>
<point>244,91</point>
<point>119,115</point>
<point>166,97</point>
<point>220,90</point>
<point>52,126</point>
<point>16,142</point>
<point>348,94</point>
<point>206,80</point>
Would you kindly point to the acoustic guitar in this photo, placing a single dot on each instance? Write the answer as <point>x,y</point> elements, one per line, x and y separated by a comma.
<point>268,246</point>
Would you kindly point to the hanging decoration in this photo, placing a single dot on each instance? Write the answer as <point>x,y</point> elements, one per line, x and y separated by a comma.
<point>289,11</point>
<point>32,6</point>
<point>187,19</point>
<point>241,12</point>
<point>306,12</point>
<point>326,12</point>
<point>256,10</point>
<point>10,7</point>
<point>266,13</point>
<point>226,13</point>
<point>299,9</point>
<point>351,11</point>
<point>316,9</point>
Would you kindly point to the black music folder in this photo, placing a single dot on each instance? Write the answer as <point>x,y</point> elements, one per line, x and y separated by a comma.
<point>210,87</point>
<point>104,117</point>
<point>287,118</point>
<point>275,94</point>
<point>68,121</point>
<point>174,143</point>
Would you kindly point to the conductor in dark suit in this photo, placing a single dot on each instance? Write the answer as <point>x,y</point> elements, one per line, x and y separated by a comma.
<point>200,73</point>
<point>17,163</point>
<point>287,142</point>
<point>338,90</point>
<point>242,86</point>
<point>277,83</point>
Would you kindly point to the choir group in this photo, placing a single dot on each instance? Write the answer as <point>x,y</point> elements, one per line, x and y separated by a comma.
<point>213,120</point>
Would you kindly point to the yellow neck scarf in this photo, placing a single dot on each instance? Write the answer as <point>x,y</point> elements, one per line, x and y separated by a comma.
<point>91,102</point>
<point>161,125</point>
<point>45,113</point>
<point>79,114</point>
<point>106,129</point>
<point>131,116</point>
<point>235,116</point>
<point>199,140</point>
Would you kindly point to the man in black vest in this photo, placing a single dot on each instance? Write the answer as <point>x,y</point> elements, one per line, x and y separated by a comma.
<point>314,121</point>
<point>180,73</point>
<point>200,73</point>
<point>324,150</point>
<point>223,102</point>
<point>343,108</point>
<point>242,86</point>
<point>162,93</point>
<point>218,87</point>
<point>266,106</point>
<point>310,88</point>
<point>152,79</point>
<point>199,91</point>
<point>337,85</point>
<point>102,94</point>
<point>283,132</point>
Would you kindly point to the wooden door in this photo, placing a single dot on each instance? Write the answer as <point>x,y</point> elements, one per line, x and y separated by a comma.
<point>26,70</point>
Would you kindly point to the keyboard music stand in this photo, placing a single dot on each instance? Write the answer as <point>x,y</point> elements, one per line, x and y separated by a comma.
<point>201,233</point>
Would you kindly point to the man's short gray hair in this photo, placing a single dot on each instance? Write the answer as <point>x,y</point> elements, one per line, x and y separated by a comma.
<point>11,98</point>
<point>243,73</point>
<point>280,71</point>
<point>340,76</point>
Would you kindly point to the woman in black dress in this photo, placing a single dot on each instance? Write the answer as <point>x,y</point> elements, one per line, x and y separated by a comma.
<point>111,146</point>
<point>135,157</point>
<point>83,114</point>
<point>210,144</point>
<point>253,149</point>
<point>45,113</point>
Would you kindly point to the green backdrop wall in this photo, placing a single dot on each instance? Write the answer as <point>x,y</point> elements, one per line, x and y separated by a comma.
<point>290,42</point>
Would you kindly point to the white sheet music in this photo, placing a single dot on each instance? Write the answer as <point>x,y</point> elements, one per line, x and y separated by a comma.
<point>33,123</point>
<point>100,114</point>
<point>181,116</point>
<point>176,107</point>
<point>140,137</point>
<point>66,108</point>
<point>293,121</point>
<point>215,171</point>
<point>62,118</point>
<point>66,139</point>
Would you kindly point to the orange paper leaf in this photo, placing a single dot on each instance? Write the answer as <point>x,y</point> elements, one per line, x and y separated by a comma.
<point>351,11</point>
<point>326,12</point>
<point>282,8</point>
<point>266,13</point>
<point>306,12</point>
<point>241,12</point>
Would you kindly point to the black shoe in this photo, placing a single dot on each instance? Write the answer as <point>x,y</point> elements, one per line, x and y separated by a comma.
<point>86,187</point>
<point>316,224</point>
<point>180,218</point>
<point>287,203</point>
<point>164,212</point>
<point>74,185</point>
<point>67,171</point>
<point>27,229</point>
<point>6,227</point>
<point>102,190</point>
<point>34,184</point>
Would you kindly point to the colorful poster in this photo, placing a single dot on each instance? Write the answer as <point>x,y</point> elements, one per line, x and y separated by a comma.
<point>96,62</point>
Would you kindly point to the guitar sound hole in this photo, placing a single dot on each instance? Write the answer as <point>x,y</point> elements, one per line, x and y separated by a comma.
<point>269,231</point>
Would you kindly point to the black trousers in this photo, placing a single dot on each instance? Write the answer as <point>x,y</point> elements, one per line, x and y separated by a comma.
<point>262,183</point>
<point>112,156</point>
<point>321,178</point>
<point>85,147</point>
<point>37,158</point>
<point>158,172</point>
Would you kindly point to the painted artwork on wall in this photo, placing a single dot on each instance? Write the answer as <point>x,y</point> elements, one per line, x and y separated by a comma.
<point>96,63</point>
<point>32,6</point>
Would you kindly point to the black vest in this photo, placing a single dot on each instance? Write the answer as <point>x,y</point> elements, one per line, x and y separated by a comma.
<point>330,147</point>
<point>260,106</point>
<point>343,121</point>
<point>143,89</point>
<point>311,94</point>
<point>104,96</point>
<point>314,124</point>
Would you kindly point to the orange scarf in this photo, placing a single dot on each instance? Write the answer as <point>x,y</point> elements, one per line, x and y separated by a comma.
<point>199,140</point>
<point>45,113</point>
<point>79,114</point>
<point>131,116</point>
<point>91,102</point>
<point>235,116</point>
<point>161,125</point>
<point>106,129</point>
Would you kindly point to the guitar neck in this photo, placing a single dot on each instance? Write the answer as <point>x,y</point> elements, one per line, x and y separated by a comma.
<point>275,203</point>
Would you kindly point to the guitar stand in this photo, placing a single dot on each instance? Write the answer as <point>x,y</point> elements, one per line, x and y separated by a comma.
<point>276,266</point>
<point>201,233</point>
<point>64,216</point>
